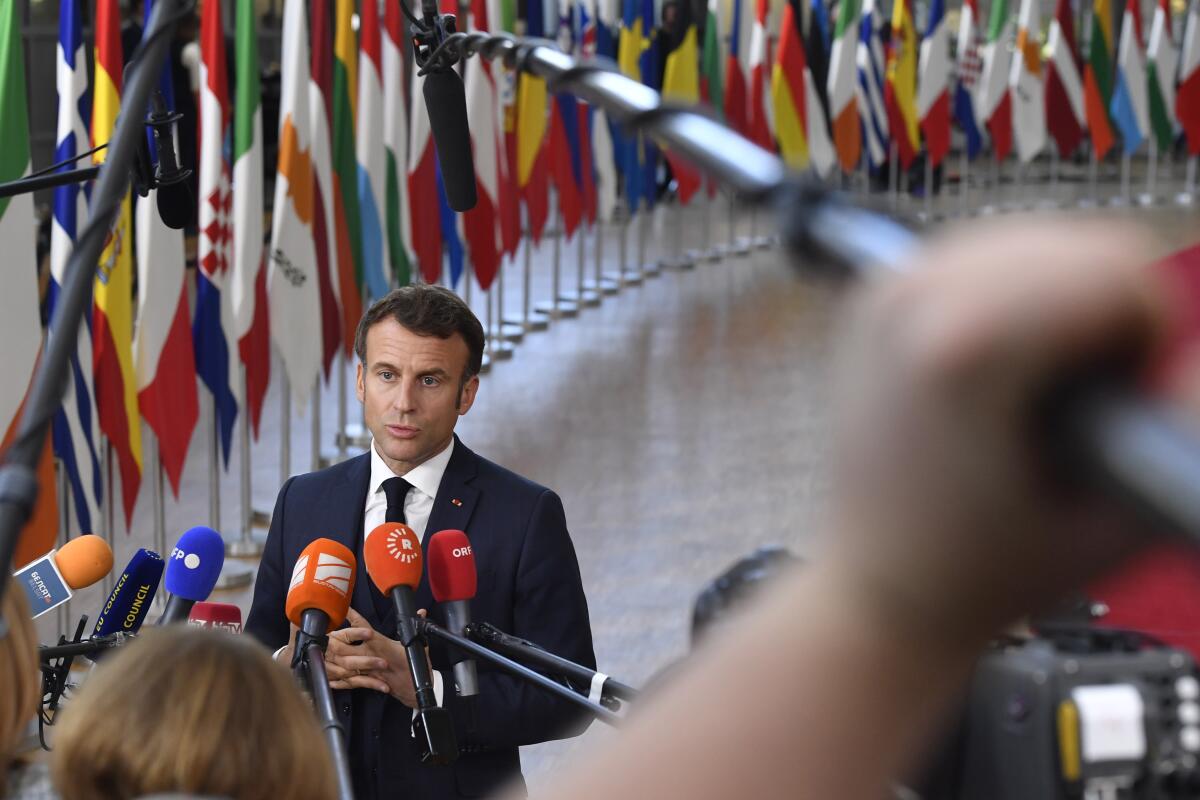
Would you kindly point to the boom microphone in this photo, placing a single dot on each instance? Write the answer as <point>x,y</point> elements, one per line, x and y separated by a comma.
<point>446,102</point>
<point>129,602</point>
<point>48,581</point>
<point>393,558</point>
<point>452,579</point>
<point>225,616</point>
<point>174,198</point>
<point>192,572</point>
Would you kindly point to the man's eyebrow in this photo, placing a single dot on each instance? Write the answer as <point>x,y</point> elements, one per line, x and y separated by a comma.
<point>434,371</point>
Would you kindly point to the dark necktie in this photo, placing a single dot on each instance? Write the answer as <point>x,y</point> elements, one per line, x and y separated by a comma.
<point>396,490</point>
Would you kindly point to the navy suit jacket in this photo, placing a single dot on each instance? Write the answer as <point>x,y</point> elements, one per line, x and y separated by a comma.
<point>528,585</point>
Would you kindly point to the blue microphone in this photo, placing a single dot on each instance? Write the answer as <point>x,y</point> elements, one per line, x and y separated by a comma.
<point>129,602</point>
<point>192,572</point>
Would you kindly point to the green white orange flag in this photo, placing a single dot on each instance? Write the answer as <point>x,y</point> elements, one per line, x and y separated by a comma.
<point>843,87</point>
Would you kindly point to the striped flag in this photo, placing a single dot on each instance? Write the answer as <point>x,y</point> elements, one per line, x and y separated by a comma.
<point>372,162</point>
<point>74,425</point>
<point>294,294</point>
<point>603,143</point>
<point>968,77</point>
<point>735,81</point>
<point>345,168</point>
<point>1129,104</point>
<point>681,84</point>
<point>395,143</point>
<point>330,237</point>
<point>629,49</point>
<point>112,321</point>
<point>481,225</point>
<point>212,328</point>
<point>20,320</point>
<point>993,103</point>
<point>871,108</point>
<point>1097,79</point>
<point>423,187</point>
<point>1162,60</point>
<point>163,354</point>
<point>1025,82</point>
<point>711,86</point>
<point>1188,99</point>
<point>248,283</point>
<point>933,91</point>
<point>506,86</point>
<point>648,64</point>
<point>843,94</point>
<point>760,120</point>
<point>1065,116</point>
<point>792,93</point>
<point>900,92</point>
<point>585,47</point>
<point>531,134</point>
<point>566,163</point>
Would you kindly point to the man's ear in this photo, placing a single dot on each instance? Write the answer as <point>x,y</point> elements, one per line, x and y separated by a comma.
<point>466,395</point>
<point>360,388</point>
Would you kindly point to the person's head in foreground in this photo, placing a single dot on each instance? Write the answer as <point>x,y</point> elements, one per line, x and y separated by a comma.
<point>184,709</point>
<point>20,678</point>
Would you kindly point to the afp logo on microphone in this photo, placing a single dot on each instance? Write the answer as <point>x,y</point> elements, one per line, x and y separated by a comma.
<point>190,560</point>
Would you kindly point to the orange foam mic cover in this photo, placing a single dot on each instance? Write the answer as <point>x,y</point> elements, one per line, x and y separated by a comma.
<point>84,560</point>
<point>323,578</point>
<point>393,555</point>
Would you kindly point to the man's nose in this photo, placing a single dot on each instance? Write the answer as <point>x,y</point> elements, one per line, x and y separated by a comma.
<point>405,398</point>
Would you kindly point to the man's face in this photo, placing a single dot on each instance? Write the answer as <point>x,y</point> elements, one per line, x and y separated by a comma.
<point>409,388</point>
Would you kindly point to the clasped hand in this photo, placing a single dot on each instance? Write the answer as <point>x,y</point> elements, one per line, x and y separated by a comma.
<point>359,657</point>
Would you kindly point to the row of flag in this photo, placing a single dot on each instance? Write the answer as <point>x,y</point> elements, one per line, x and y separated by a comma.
<point>901,92</point>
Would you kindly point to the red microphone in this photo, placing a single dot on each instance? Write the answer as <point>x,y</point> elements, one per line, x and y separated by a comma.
<point>318,597</point>
<point>224,616</point>
<point>394,561</point>
<point>453,581</point>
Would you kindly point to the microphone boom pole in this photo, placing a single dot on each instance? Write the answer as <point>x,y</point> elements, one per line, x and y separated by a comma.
<point>18,473</point>
<point>1120,440</point>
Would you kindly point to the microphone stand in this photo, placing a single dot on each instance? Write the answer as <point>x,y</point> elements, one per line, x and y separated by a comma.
<point>433,630</point>
<point>308,665</point>
<point>84,647</point>
<point>610,691</point>
<point>1123,442</point>
<point>18,473</point>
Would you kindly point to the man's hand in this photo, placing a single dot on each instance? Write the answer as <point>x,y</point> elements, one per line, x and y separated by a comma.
<point>373,661</point>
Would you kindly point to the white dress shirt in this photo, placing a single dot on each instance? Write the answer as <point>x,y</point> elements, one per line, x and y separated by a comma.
<point>418,503</point>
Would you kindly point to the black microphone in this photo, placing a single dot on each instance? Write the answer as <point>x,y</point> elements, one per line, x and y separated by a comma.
<point>446,101</point>
<point>174,197</point>
<point>392,553</point>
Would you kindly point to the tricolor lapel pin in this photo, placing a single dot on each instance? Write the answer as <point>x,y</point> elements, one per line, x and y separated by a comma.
<point>456,501</point>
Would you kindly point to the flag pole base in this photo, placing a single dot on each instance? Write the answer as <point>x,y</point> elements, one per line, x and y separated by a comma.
<point>587,298</point>
<point>1147,200</point>
<point>1186,199</point>
<point>536,322</point>
<point>631,277</point>
<point>508,332</point>
<point>234,576</point>
<point>243,548</point>
<point>607,285</point>
<point>485,364</point>
<point>559,310</point>
<point>500,350</point>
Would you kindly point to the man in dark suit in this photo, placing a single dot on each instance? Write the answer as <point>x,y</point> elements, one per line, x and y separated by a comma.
<point>420,350</point>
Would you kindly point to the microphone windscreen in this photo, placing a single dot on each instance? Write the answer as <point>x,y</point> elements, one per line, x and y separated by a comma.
<point>446,102</point>
<point>323,578</point>
<point>174,201</point>
<point>451,566</point>
<point>84,560</point>
<point>225,616</point>
<point>195,564</point>
<point>129,602</point>
<point>393,555</point>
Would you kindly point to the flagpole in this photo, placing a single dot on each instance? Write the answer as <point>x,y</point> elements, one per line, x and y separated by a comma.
<point>928,188</point>
<point>508,330</point>
<point>631,277</point>
<point>894,175</point>
<point>499,349</point>
<point>245,546</point>
<point>214,466</point>
<point>1126,190</point>
<point>65,502</point>
<point>1188,196</point>
<point>556,308</point>
<point>687,256</point>
<point>587,296</point>
<point>106,513</point>
<point>1054,201</point>
<point>158,500</point>
<point>648,267</point>
<point>964,190</point>
<point>285,428</point>
<point>712,250</point>
<point>316,425</point>
<point>528,321</point>
<point>1093,180</point>
<point>1148,198</point>
<point>342,368</point>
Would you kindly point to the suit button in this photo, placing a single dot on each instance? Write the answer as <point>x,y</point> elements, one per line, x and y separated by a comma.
<point>345,708</point>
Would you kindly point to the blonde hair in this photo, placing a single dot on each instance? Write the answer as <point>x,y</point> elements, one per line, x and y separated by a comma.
<point>184,709</point>
<point>20,675</point>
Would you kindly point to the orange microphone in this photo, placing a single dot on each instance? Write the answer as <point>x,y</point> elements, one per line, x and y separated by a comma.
<point>394,562</point>
<point>48,581</point>
<point>321,587</point>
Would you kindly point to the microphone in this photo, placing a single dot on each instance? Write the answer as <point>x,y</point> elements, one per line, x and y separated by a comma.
<point>318,597</point>
<point>192,572</point>
<point>48,581</point>
<point>452,579</point>
<point>129,602</point>
<point>174,198</point>
<point>394,562</point>
<point>446,102</point>
<point>225,616</point>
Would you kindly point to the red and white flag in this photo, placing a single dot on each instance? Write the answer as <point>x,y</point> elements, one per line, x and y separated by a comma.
<point>480,224</point>
<point>1065,115</point>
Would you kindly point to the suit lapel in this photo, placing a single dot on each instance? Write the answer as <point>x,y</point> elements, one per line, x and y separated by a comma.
<point>348,504</point>
<point>455,501</point>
